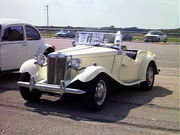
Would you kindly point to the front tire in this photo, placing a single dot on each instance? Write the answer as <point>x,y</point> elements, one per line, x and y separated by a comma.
<point>27,94</point>
<point>150,77</point>
<point>96,93</point>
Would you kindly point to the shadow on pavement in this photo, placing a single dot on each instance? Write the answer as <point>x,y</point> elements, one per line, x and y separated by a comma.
<point>121,101</point>
<point>8,81</point>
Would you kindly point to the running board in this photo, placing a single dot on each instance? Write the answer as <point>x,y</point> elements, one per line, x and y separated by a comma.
<point>131,83</point>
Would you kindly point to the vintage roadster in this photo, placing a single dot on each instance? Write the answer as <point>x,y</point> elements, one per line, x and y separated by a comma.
<point>95,61</point>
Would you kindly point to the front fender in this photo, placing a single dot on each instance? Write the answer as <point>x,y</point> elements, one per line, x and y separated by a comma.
<point>30,67</point>
<point>34,70</point>
<point>90,73</point>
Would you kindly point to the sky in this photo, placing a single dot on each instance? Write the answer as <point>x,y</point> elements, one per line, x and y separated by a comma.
<point>153,14</point>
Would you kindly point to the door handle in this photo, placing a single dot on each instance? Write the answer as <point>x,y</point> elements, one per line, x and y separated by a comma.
<point>123,65</point>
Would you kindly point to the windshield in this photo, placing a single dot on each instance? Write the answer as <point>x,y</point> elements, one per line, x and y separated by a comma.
<point>63,31</point>
<point>96,38</point>
<point>154,33</point>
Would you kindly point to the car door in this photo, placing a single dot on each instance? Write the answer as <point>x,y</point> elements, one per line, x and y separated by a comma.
<point>129,69</point>
<point>13,47</point>
<point>34,41</point>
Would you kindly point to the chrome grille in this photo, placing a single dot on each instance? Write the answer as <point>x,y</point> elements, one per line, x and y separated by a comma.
<point>57,67</point>
<point>151,37</point>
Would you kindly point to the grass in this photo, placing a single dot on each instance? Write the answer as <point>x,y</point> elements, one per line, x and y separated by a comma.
<point>138,38</point>
<point>169,39</point>
<point>46,36</point>
<point>173,40</point>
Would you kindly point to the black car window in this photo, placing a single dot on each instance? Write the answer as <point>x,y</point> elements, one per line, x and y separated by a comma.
<point>13,33</point>
<point>154,33</point>
<point>31,33</point>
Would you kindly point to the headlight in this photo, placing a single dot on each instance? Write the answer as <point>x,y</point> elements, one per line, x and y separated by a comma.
<point>41,59</point>
<point>75,63</point>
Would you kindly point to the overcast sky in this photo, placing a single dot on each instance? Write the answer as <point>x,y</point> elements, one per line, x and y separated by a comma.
<point>95,13</point>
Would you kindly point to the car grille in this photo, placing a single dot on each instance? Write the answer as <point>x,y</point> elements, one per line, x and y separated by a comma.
<point>57,67</point>
<point>151,38</point>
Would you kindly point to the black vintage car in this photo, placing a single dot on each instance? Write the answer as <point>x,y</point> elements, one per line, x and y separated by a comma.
<point>126,37</point>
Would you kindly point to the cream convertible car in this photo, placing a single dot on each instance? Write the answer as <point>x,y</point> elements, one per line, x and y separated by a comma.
<point>95,60</point>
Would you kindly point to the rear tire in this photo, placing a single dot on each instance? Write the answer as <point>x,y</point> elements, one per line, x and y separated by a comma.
<point>96,93</point>
<point>27,94</point>
<point>150,77</point>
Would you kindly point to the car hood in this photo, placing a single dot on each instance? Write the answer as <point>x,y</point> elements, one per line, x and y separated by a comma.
<point>84,50</point>
<point>61,33</point>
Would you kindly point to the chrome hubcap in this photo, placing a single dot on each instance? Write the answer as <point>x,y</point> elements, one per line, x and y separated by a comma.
<point>150,76</point>
<point>100,92</point>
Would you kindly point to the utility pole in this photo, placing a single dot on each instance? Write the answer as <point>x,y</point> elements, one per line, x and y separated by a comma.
<point>47,6</point>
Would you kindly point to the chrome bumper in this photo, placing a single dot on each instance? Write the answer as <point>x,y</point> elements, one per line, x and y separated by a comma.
<point>59,89</point>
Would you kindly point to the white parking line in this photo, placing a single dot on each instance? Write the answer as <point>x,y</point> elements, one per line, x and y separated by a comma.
<point>169,62</point>
<point>170,68</point>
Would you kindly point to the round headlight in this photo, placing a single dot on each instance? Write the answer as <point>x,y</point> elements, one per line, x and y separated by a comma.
<point>75,63</point>
<point>41,59</point>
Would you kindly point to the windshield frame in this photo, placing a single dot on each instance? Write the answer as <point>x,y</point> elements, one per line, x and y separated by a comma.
<point>64,31</point>
<point>154,33</point>
<point>116,44</point>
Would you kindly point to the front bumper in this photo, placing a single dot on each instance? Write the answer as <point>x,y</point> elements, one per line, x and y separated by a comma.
<point>44,87</point>
<point>151,39</point>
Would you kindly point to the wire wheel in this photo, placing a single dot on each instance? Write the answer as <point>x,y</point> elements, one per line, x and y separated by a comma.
<point>150,76</point>
<point>100,92</point>
<point>148,84</point>
<point>96,92</point>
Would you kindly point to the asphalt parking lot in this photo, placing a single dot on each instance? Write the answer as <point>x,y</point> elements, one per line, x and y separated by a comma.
<point>128,111</point>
